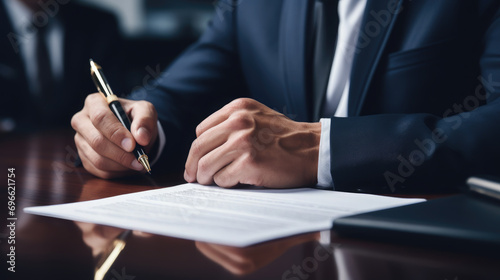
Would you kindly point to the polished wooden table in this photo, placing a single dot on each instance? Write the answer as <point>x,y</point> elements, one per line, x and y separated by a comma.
<point>49,248</point>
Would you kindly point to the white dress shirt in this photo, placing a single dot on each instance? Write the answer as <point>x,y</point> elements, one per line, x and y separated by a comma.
<point>350,18</point>
<point>25,34</point>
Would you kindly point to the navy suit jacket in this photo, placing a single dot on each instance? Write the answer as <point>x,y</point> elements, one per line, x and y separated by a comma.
<point>423,101</point>
<point>83,39</point>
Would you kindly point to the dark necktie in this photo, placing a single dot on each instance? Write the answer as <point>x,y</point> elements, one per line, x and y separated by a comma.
<point>325,27</point>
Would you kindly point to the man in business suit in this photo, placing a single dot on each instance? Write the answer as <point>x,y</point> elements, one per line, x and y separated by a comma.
<point>409,101</point>
<point>46,46</point>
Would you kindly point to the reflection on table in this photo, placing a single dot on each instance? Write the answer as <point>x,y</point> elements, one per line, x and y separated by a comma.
<point>48,248</point>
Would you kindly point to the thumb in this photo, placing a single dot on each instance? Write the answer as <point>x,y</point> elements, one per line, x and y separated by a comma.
<point>144,122</point>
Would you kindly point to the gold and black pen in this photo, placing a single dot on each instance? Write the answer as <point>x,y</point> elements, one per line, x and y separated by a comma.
<point>109,256</point>
<point>103,87</point>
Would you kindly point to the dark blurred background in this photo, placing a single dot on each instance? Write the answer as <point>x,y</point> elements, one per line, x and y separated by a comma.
<point>45,47</point>
<point>155,31</point>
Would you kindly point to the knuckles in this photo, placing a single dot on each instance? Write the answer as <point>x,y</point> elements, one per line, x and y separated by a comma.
<point>99,162</point>
<point>243,103</point>
<point>242,142</point>
<point>199,129</point>
<point>117,132</point>
<point>124,159</point>
<point>249,161</point>
<point>97,142</point>
<point>151,108</point>
<point>112,128</point>
<point>239,115</point>
<point>75,120</point>
<point>92,99</point>
<point>203,166</point>
<point>241,127</point>
<point>241,120</point>
<point>221,180</point>
<point>196,147</point>
<point>147,107</point>
<point>98,117</point>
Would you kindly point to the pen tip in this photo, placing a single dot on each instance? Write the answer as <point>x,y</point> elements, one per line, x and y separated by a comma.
<point>149,172</point>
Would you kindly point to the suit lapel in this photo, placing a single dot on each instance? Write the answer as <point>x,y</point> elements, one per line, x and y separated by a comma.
<point>292,44</point>
<point>373,38</point>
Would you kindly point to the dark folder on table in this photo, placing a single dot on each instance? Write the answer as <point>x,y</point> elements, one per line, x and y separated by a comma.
<point>463,222</point>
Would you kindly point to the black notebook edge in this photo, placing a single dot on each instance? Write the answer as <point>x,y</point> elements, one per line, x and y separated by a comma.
<point>404,232</point>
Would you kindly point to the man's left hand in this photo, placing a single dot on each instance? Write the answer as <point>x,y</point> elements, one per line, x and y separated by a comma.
<point>246,142</point>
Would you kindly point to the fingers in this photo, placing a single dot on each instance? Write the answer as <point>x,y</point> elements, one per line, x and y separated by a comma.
<point>141,234</point>
<point>214,161</point>
<point>213,150</point>
<point>200,166</point>
<point>223,166</point>
<point>232,175</point>
<point>104,144</point>
<point>107,124</point>
<point>224,113</point>
<point>200,147</point>
<point>96,145</point>
<point>106,156</point>
<point>234,263</point>
<point>91,168</point>
<point>99,165</point>
<point>144,122</point>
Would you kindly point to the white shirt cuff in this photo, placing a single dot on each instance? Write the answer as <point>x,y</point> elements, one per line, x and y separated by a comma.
<point>162,141</point>
<point>325,180</point>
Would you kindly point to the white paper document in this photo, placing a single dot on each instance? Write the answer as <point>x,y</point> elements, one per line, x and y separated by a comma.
<point>235,217</point>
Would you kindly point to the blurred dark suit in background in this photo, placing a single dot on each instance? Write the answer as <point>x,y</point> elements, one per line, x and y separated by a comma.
<point>81,33</point>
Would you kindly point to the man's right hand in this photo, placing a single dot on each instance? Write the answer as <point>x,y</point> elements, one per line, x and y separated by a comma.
<point>104,145</point>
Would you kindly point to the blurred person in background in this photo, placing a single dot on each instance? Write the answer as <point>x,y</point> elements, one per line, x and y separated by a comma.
<point>45,50</point>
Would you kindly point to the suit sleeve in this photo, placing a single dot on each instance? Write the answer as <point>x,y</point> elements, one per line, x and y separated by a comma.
<point>203,79</point>
<point>420,152</point>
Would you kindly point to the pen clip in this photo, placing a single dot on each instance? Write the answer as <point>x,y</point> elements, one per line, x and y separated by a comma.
<point>101,82</point>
